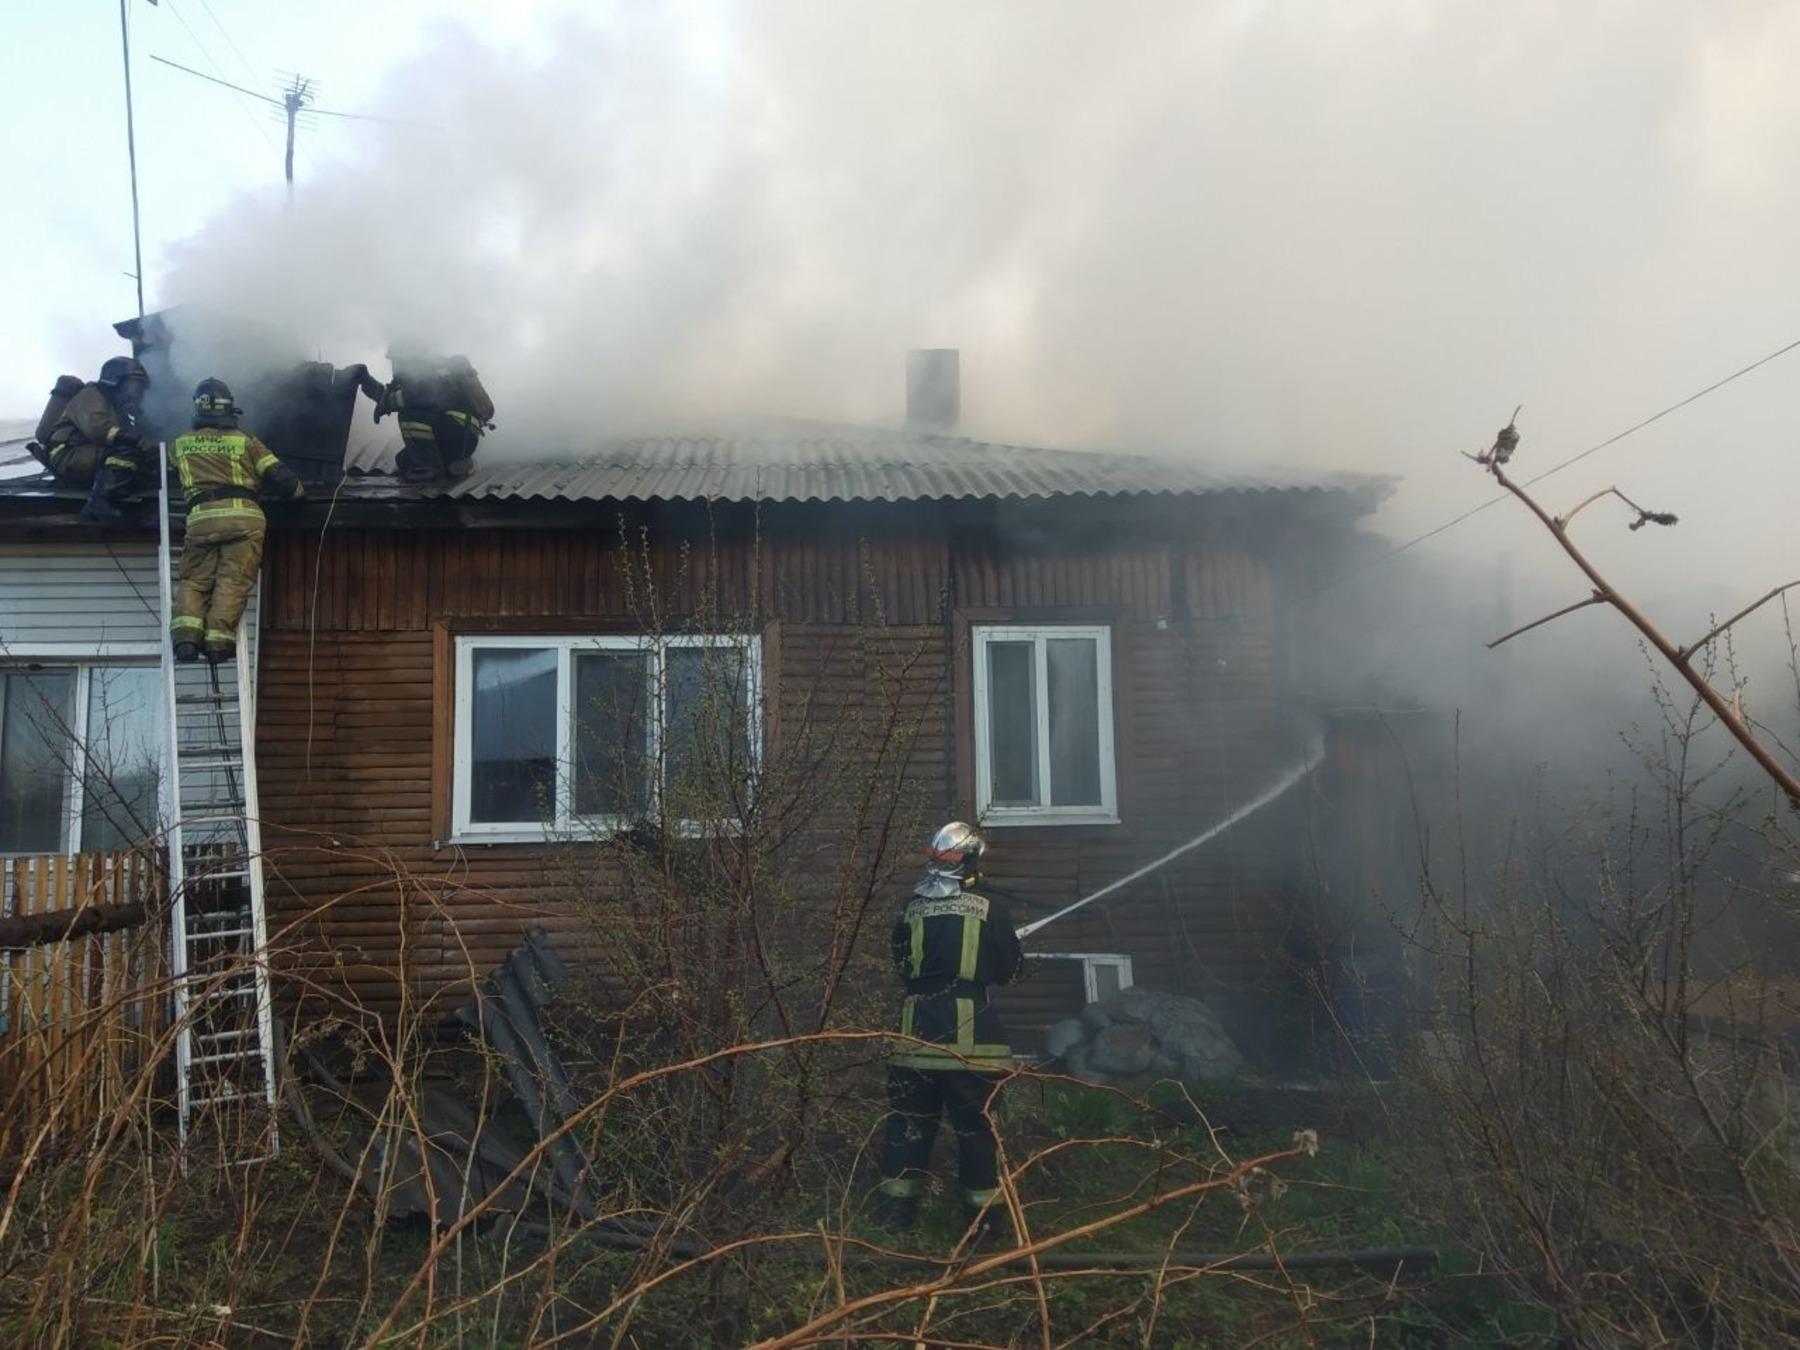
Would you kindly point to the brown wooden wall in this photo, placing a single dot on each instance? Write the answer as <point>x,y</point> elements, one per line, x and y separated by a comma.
<point>352,688</point>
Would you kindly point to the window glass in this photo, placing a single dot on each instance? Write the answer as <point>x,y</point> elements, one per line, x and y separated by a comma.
<point>1106,980</point>
<point>706,729</point>
<point>119,768</point>
<point>36,719</point>
<point>652,729</point>
<point>1073,667</point>
<point>512,770</point>
<point>1012,724</point>
<point>612,767</point>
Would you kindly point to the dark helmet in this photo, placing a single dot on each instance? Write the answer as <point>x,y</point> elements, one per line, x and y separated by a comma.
<point>119,369</point>
<point>213,405</point>
<point>955,850</point>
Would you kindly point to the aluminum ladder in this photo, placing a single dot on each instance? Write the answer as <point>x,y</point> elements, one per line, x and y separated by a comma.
<point>218,929</point>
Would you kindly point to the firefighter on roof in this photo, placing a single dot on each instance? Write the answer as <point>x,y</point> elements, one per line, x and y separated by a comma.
<point>89,435</point>
<point>221,469</point>
<point>443,410</point>
<point>950,944</point>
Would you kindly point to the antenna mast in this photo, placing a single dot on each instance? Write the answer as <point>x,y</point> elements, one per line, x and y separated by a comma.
<point>137,242</point>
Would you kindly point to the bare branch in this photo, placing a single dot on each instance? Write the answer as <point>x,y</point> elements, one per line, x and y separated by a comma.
<point>1745,612</point>
<point>1645,516</point>
<point>1595,599</point>
<point>1721,707</point>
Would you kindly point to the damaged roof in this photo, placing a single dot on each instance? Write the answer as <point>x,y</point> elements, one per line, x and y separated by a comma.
<point>809,462</point>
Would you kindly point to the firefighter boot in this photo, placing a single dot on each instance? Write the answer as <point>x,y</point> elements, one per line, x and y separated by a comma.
<point>105,497</point>
<point>984,1225</point>
<point>895,1213</point>
<point>419,464</point>
<point>187,652</point>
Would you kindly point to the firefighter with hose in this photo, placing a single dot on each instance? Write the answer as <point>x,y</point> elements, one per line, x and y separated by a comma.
<point>950,943</point>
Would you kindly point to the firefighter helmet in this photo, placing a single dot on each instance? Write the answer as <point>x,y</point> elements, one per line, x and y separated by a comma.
<point>956,849</point>
<point>118,369</point>
<point>213,403</point>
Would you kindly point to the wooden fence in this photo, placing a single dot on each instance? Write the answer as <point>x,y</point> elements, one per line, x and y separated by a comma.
<point>81,1018</point>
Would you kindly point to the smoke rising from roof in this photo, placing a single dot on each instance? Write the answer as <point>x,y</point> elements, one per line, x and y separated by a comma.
<point>1351,237</point>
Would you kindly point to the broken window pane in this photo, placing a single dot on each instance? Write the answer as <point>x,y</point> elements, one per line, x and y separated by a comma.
<point>612,767</point>
<point>1073,666</point>
<point>706,734</point>
<point>124,730</point>
<point>512,770</point>
<point>1012,724</point>
<point>36,719</point>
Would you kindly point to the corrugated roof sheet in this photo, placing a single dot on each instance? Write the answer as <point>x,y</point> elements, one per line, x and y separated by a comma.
<point>812,463</point>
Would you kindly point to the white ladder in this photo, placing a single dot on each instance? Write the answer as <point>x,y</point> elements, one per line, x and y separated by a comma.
<point>218,930</point>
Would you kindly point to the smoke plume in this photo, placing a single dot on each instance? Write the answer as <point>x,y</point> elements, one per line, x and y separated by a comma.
<point>1352,237</point>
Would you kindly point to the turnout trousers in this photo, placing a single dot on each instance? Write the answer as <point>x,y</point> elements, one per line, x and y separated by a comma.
<point>219,562</point>
<point>436,445</point>
<point>918,1098</point>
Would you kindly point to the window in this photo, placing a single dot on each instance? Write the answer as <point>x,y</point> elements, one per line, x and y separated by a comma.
<point>1044,725</point>
<point>80,751</point>
<point>1103,974</point>
<point>558,736</point>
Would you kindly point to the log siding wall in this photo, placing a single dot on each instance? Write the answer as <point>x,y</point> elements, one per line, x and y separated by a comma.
<point>353,753</point>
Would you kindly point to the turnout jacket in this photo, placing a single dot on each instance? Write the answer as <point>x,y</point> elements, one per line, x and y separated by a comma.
<point>221,469</point>
<point>446,388</point>
<point>949,944</point>
<point>88,418</point>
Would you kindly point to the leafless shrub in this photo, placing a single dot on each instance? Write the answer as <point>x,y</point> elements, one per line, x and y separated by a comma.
<point>1607,1077</point>
<point>721,1039</point>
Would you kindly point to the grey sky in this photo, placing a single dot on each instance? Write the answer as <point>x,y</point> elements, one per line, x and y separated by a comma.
<point>1346,235</point>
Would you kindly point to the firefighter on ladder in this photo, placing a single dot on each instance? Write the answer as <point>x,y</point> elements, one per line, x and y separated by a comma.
<point>221,469</point>
<point>949,944</point>
<point>443,410</point>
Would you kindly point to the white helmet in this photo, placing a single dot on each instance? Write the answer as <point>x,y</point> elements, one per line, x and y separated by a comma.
<point>955,850</point>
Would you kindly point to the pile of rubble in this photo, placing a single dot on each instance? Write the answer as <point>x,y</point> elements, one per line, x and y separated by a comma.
<point>1137,1032</point>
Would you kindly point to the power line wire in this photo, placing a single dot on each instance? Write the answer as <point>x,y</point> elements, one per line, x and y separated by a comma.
<point>266,98</point>
<point>1598,446</point>
<point>243,60</point>
<point>213,79</point>
<point>182,20</point>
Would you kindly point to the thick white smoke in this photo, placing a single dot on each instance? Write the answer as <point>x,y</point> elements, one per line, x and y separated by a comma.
<point>1351,236</point>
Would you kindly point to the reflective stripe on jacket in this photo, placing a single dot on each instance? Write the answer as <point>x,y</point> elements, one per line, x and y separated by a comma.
<point>221,470</point>
<point>949,948</point>
<point>87,418</point>
<point>448,388</point>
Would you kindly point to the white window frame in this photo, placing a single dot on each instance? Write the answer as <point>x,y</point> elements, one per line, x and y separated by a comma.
<point>75,786</point>
<point>1090,966</point>
<point>1107,812</point>
<point>566,824</point>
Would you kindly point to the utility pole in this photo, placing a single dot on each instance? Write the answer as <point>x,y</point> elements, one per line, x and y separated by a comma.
<point>296,98</point>
<point>137,241</point>
<point>294,102</point>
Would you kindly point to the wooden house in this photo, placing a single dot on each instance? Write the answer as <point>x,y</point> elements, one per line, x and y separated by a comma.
<point>1091,653</point>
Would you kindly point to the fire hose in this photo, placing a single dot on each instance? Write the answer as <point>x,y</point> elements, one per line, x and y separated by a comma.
<point>1282,785</point>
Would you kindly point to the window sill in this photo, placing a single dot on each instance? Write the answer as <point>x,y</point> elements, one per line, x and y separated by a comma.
<point>589,832</point>
<point>1026,819</point>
